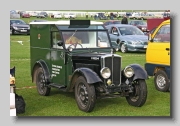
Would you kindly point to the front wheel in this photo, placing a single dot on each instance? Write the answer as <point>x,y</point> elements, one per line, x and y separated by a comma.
<point>161,81</point>
<point>40,82</point>
<point>139,95</point>
<point>123,48</point>
<point>85,95</point>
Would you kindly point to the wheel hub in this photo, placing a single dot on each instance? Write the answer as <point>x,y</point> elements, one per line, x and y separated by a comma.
<point>161,82</point>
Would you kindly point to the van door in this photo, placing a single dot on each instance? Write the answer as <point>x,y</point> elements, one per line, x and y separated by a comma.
<point>57,59</point>
<point>158,51</point>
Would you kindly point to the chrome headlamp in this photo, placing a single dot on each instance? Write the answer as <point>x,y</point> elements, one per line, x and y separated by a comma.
<point>128,71</point>
<point>105,72</point>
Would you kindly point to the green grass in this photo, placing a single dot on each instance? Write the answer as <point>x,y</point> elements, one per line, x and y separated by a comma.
<point>64,104</point>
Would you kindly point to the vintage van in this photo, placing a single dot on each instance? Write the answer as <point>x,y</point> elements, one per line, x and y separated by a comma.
<point>158,56</point>
<point>77,56</point>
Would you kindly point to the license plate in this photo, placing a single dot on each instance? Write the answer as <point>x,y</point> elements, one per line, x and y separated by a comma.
<point>23,30</point>
<point>145,46</point>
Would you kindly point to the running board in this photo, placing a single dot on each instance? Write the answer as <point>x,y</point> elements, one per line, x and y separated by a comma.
<point>57,85</point>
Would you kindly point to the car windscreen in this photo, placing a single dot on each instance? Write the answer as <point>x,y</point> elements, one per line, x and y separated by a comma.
<point>86,39</point>
<point>130,31</point>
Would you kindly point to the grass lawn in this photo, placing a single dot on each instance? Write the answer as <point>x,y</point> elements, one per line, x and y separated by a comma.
<point>64,104</point>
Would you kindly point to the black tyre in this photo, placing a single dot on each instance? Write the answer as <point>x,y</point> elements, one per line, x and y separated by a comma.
<point>123,48</point>
<point>139,95</point>
<point>40,83</point>
<point>161,81</point>
<point>85,95</point>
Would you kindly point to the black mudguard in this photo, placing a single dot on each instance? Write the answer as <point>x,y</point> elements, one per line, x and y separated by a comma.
<point>90,76</point>
<point>45,70</point>
<point>139,72</point>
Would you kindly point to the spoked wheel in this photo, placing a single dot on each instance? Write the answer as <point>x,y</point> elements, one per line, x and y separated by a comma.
<point>40,83</point>
<point>161,81</point>
<point>85,95</point>
<point>139,95</point>
<point>123,48</point>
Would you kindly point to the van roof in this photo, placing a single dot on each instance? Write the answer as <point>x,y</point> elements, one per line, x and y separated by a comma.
<point>65,22</point>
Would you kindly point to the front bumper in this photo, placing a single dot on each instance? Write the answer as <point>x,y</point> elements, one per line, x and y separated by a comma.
<point>20,31</point>
<point>141,48</point>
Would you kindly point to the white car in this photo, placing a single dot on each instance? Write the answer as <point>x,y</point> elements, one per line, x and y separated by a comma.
<point>57,16</point>
<point>67,16</point>
<point>33,14</point>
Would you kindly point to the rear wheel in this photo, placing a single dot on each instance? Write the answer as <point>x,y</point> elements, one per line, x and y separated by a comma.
<point>40,82</point>
<point>85,95</point>
<point>161,81</point>
<point>139,95</point>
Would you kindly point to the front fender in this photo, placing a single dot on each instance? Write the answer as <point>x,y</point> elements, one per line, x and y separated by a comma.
<point>139,72</point>
<point>90,76</point>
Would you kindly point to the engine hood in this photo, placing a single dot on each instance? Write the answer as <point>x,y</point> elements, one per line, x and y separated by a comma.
<point>20,25</point>
<point>137,38</point>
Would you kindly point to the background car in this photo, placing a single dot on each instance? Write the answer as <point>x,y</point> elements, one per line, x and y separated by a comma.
<point>142,25</point>
<point>69,15</point>
<point>33,14</point>
<point>42,15</point>
<point>146,16</point>
<point>25,15</point>
<point>127,38</point>
<point>102,16</point>
<point>58,16</point>
<point>112,22</point>
<point>18,26</point>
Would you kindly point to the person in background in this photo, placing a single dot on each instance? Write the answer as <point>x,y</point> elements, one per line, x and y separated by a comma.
<point>118,15</point>
<point>86,15</point>
<point>124,20</point>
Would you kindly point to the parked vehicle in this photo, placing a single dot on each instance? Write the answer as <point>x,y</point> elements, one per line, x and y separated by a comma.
<point>112,22</point>
<point>42,15</point>
<point>69,15</point>
<point>154,22</point>
<point>58,16</point>
<point>78,57</point>
<point>25,15</point>
<point>158,56</point>
<point>134,16</point>
<point>18,26</point>
<point>146,16</point>
<point>127,38</point>
<point>142,25</point>
<point>33,14</point>
<point>102,16</point>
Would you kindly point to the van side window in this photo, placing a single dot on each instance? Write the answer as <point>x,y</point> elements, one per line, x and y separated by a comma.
<point>55,38</point>
<point>163,34</point>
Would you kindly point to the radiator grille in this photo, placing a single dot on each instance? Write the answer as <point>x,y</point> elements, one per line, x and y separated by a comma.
<point>114,63</point>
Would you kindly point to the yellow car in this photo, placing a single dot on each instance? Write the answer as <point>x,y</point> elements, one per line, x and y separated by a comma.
<point>158,56</point>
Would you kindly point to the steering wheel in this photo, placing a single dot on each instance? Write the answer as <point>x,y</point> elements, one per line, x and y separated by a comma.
<point>75,45</point>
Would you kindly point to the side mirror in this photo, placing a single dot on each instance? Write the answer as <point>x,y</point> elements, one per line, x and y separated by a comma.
<point>60,43</point>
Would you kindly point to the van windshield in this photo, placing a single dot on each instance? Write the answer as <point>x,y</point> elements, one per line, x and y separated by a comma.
<point>86,39</point>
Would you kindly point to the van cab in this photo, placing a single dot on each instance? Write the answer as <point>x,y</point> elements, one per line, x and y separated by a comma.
<point>158,56</point>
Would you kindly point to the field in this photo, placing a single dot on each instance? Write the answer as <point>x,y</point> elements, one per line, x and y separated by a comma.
<point>64,104</point>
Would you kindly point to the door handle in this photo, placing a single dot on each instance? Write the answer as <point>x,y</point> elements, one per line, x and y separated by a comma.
<point>167,49</point>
